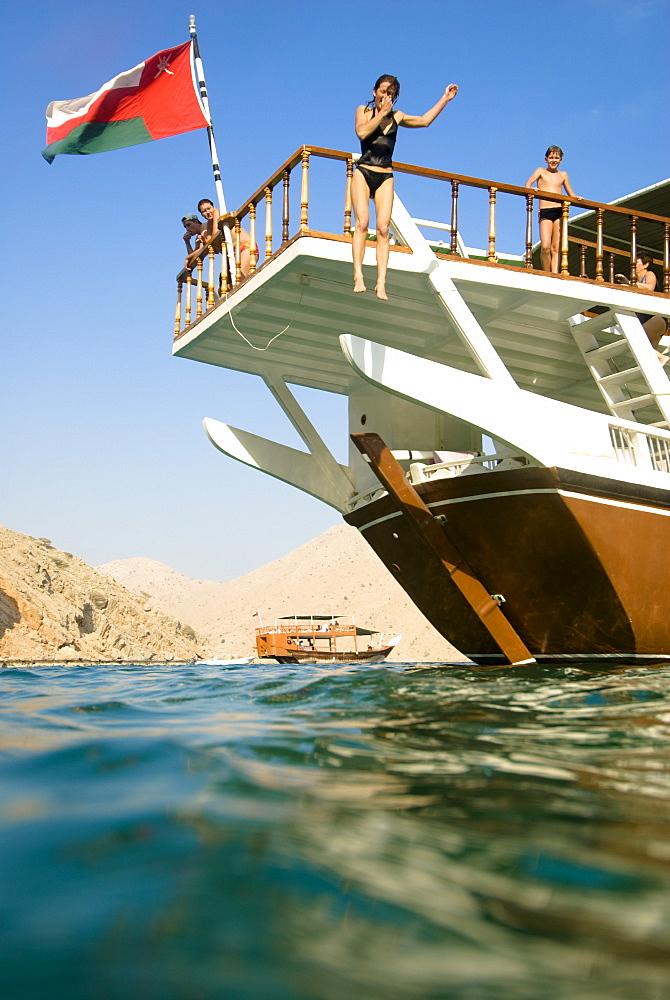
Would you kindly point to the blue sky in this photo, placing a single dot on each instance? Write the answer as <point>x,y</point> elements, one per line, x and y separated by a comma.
<point>103,447</point>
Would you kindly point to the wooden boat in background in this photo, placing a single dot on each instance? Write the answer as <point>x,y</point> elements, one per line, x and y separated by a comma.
<point>509,455</point>
<point>321,639</point>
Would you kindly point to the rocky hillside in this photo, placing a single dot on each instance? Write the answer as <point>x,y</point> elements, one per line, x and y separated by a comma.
<point>54,607</point>
<point>335,573</point>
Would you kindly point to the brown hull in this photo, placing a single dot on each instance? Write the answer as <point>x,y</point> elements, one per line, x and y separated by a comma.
<point>309,656</point>
<point>582,571</point>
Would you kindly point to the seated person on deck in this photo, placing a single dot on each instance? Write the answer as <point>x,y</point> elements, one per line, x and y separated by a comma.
<point>654,326</point>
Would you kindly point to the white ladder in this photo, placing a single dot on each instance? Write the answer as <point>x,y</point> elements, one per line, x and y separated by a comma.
<point>624,366</point>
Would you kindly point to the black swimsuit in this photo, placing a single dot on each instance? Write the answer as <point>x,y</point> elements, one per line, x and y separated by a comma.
<point>377,151</point>
<point>377,148</point>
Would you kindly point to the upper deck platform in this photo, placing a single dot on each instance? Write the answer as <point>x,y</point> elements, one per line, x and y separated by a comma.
<point>288,313</point>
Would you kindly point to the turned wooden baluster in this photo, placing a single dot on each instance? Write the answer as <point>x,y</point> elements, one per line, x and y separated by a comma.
<point>454,217</point>
<point>224,283</point>
<point>666,257</point>
<point>611,277</point>
<point>492,224</point>
<point>198,291</point>
<point>210,277</point>
<point>189,292</point>
<point>633,249</point>
<point>582,261</point>
<point>268,222</point>
<point>285,207</point>
<point>177,315</point>
<point>529,230</point>
<point>599,244</point>
<point>253,252</point>
<point>237,241</point>
<point>347,198</point>
<point>565,212</point>
<point>304,191</point>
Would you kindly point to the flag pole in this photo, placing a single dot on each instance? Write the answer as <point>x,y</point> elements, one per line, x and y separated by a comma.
<point>218,185</point>
<point>210,128</point>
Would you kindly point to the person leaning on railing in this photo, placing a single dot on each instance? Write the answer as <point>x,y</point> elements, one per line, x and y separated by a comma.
<point>194,229</point>
<point>210,232</point>
<point>654,326</point>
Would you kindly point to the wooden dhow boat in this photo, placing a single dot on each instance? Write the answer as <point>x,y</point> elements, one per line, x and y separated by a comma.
<point>510,445</point>
<point>321,639</point>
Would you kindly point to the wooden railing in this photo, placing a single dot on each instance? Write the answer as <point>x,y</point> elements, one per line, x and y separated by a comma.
<point>303,628</point>
<point>200,291</point>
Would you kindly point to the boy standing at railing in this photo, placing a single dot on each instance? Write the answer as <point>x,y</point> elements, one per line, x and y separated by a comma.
<point>554,181</point>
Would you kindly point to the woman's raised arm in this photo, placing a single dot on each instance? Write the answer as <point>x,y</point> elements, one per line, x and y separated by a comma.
<point>423,121</point>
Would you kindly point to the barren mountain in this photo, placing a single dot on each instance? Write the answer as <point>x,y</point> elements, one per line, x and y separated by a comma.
<point>335,573</point>
<point>54,607</point>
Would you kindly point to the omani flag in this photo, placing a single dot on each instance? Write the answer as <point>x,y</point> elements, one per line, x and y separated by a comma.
<point>155,99</point>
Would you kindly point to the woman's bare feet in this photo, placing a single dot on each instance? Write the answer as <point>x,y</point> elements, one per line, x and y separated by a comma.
<point>359,284</point>
<point>381,292</point>
<point>663,358</point>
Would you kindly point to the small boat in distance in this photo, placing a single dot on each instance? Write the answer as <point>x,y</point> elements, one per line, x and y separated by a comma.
<point>321,639</point>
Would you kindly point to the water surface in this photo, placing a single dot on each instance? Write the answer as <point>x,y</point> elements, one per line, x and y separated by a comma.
<point>321,833</point>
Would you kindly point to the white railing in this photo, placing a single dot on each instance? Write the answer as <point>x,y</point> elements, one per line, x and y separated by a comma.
<point>659,452</point>
<point>640,448</point>
<point>630,446</point>
<point>467,465</point>
<point>624,444</point>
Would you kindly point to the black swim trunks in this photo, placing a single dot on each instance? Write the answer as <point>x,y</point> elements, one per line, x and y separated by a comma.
<point>374,179</point>
<point>550,213</point>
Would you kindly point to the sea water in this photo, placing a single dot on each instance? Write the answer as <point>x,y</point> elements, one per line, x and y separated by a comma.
<point>326,832</point>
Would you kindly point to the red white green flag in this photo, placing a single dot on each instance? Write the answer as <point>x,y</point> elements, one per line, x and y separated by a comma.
<point>155,99</point>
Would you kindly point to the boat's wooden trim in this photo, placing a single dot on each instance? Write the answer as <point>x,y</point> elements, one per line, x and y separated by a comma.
<point>253,209</point>
<point>480,182</point>
<point>617,252</point>
<point>442,175</point>
<point>390,473</point>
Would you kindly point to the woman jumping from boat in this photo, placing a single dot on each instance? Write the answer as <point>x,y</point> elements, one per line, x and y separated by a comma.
<point>377,126</point>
